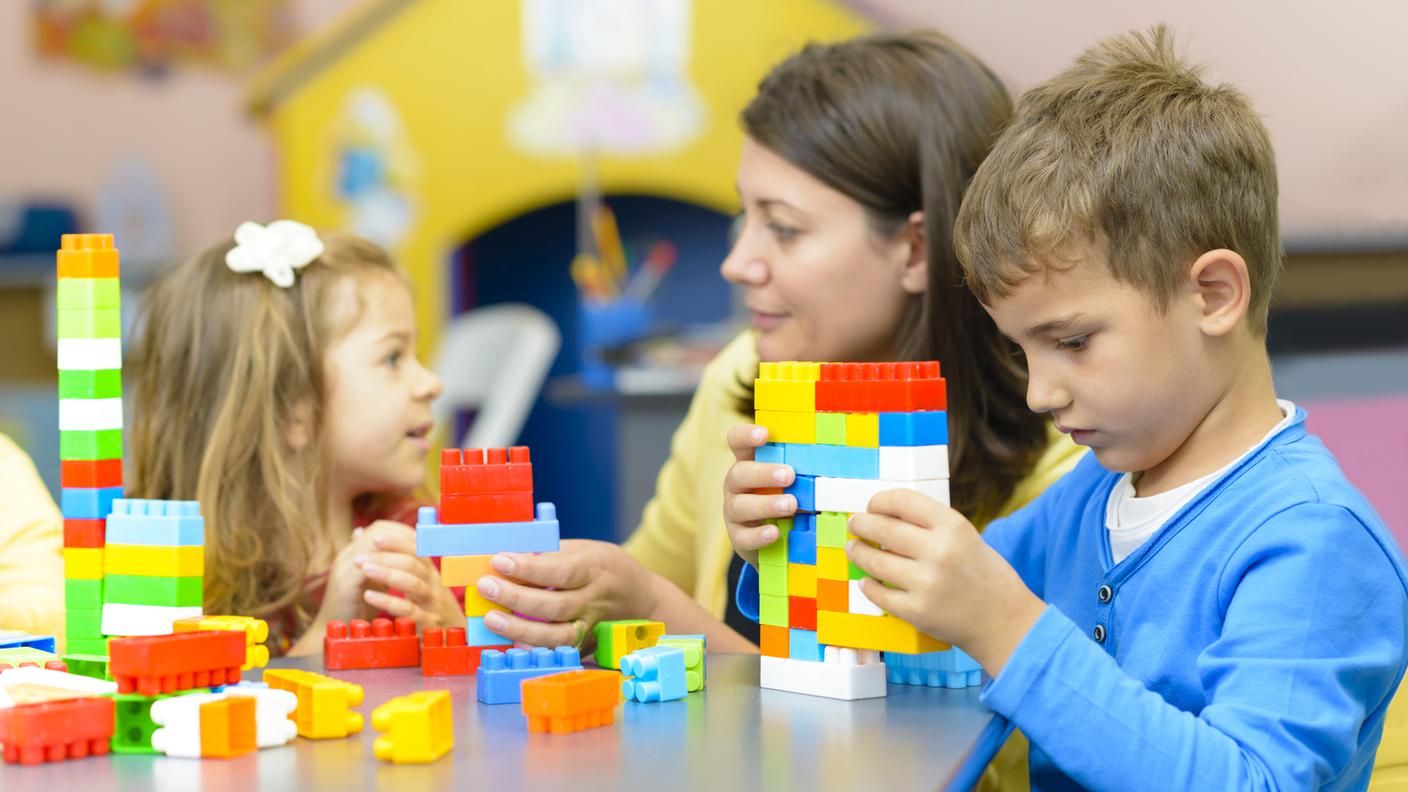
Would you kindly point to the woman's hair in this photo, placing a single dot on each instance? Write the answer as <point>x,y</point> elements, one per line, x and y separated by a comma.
<point>899,122</point>
<point>228,365</point>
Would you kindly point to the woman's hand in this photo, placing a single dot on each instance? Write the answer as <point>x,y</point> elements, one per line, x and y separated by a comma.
<point>752,493</point>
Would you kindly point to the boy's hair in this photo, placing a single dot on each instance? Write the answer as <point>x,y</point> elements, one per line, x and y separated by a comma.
<point>227,363</point>
<point>1130,153</point>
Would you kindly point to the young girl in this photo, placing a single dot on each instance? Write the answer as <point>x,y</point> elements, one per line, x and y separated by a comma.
<point>278,385</point>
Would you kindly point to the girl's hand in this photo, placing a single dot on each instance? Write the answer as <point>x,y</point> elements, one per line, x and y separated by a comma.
<point>342,596</point>
<point>744,507</point>
<point>391,563</point>
<point>585,580</point>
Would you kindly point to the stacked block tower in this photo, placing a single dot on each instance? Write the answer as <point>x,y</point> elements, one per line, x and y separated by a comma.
<point>486,507</point>
<point>849,431</point>
<point>153,566</point>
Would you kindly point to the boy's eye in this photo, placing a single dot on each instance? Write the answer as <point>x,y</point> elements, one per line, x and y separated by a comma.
<point>1075,344</point>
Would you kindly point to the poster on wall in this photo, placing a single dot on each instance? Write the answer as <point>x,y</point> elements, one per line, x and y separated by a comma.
<point>151,37</point>
<point>375,169</point>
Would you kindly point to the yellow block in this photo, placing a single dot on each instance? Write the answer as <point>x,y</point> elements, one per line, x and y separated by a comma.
<point>323,702</point>
<point>419,727</point>
<point>790,427</point>
<point>256,632</point>
<point>801,580</point>
<point>863,430</point>
<point>881,633</point>
<point>832,564</point>
<point>83,563</point>
<point>787,387</point>
<point>154,561</point>
<point>466,571</point>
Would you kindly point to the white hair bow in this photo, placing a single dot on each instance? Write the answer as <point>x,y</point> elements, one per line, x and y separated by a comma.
<point>276,249</point>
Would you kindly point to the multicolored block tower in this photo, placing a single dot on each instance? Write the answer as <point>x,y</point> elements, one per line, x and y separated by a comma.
<point>153,566</point>
<point>849,431</point>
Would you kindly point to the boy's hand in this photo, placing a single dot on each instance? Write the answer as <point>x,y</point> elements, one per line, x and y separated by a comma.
<point>745,509</point>
<point>393,564</point>
<point>941,577</point>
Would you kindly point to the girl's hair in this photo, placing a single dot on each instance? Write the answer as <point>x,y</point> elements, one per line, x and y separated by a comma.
<point>899,122</point>
<point>228,363</point>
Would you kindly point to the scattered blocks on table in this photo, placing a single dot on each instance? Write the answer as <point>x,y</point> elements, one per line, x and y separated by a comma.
<point>654,674</point>
<point>845,674</point>
<point>380,643</point>
<point>211,725</point>
<point>168,663</point>
<point>616,639</point>
<point>446,653</point>
<point>571,701</point>
<point>324,703</point>
<point>538,536</point>
<point>950,669</point>
<point>419,727</point>
<point>53,731</point>
<point>501,674</point>
<point>695,647</point>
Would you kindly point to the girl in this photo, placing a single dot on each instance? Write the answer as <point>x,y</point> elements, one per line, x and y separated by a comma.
<point>278,385</point>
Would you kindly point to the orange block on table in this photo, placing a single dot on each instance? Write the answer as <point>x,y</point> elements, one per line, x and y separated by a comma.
<point>227,727</point>
<point>571,701</point>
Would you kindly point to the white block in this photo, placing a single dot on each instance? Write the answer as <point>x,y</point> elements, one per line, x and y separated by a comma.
<point>844,674</point>
<point>129,620</point>
<point>271,713</point>
<point>179,718</point>
<point>88,415</point>
<point>90,354</point>
<point>35,677</point>
<point>859,603</point>
<point>853,495</point>
<point>913,463</point>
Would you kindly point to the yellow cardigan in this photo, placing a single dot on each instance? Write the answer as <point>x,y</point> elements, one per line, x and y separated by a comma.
<point>31,548</point>
<point>681,534</point>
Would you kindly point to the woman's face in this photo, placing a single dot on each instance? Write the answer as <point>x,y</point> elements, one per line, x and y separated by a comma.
<point>819,284</point>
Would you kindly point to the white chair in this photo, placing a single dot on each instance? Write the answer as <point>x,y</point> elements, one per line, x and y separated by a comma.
<point>493,361</point>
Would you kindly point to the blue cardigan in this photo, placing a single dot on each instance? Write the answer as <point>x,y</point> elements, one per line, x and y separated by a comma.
<point>1254,642</point>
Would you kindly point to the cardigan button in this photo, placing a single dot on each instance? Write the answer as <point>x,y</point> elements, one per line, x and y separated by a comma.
<point>1099,633</point>
<point>1105,593</point>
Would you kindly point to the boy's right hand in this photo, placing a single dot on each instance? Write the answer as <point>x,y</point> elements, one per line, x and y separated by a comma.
<point>744,507</point>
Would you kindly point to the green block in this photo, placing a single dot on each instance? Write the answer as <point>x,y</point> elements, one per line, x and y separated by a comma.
<point>84,623</point>
<point>94,666</point>
<point>91,323</point>
<point>87,646</point>
<point>830,428</point>
<point>14,655</point>
<point>605,635</point>
<point>831,529</point>
<point>98,384</point>
<point>772,610</point>
<point>856,573</point>
<point>99,444</point>
<point>775,554</point>
<point>83,594</point>
<point>772,579</point>
<point>75,293</point>
<point>132,732</point>
<point>144,590</point>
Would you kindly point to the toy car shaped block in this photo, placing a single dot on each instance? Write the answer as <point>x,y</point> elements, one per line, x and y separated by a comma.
<point>53,731</point>
<point>380,643</point>
<point>445,653</point>
<point>256,632</point>
<point>167,663</point>
<point>654,674</point>
<point>695,648</point>
<point>324,703</point>
<point>616,639</point>
<point>881,387</point>
<point>419,728</point>
<point>501,674</point>
<point>571,701</point>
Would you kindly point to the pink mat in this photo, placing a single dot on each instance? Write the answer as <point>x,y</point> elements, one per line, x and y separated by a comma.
<point>1369,437</point>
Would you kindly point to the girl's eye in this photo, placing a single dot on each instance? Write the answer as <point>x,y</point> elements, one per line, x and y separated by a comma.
<point>392,359</point>
<point>1075,344</point>
<point>782,232</point>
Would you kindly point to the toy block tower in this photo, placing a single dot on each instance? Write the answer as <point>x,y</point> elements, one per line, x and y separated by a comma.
<point>849,431</point>
<point>153,566</point>
<point>486,507</point>
<point>90,424</point>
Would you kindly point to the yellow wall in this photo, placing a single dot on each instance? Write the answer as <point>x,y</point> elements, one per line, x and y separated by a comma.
<point>453,68</point>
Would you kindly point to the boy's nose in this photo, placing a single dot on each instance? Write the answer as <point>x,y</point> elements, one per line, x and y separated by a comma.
<point>1044,395</point>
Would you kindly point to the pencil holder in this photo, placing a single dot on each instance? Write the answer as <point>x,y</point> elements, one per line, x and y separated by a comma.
<point>607,324</point>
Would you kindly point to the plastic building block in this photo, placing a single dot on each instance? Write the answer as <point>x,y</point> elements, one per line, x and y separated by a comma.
<point>445,653</point>
<point>913,463</point>
<point>853,495</point>
<point>571,701</point>
<point>464,570</point>
<point>143,590</point>
<point>91,473</point>
<point>492,507</point>
<point>801,580</point>
<point>803,488</point>
<point>477,470</point>
<point>89,354</point>
<point>76,293</point>
<point>133,730</point>
<point>153,560</point>
<point>772,579</point>
<point>832,564</point>
<point>205,725</point>
<point>772,610</point>
<point>774,641</point>
<point>85,563</point>
<point>801,613</point>
<point>419,728</point>
<point>881,387</point>
<point>857,602</point>
<point>833,595</point>
<point>323,702</point>
<point>381,643</point>
<point>616,639</point>
<point>951,669</point>
<point>150,620</point>
<point>82,622</point>
<point>775,554</point>
<point>834,460</point>
<point>29,684</point>
<point>831,529</point>
<point>881,633</point>
<point>87,646</point>
<point>502,673</point>
<point>477,634</point>
<point>87,256</point>
<point>85,533</point>
<point>56,730</point>
<point>803,645</point>
<point>16,640</point>
<point>831,429</point>
<point>273,712</point>
<point>23,656</point>
<point>90,415</point>
<point>436,539</point>
<point>801,547</point>
<point>654,674</point>
<point>89,503</point>
<point>862,429</point>
<point>90,445</point>
<point>91,666</point>
<point>90,323</point>
<point>843,674</point>
<point>786,387</point>
<point>256,632</point>
<point>771,454</point>
<point>83,593</point>
<point>695,647</point>
<point>135,522</point>
<point>913,429</point>
<point>787,427</point>
<point>168,663</point>
<point>88,384</point>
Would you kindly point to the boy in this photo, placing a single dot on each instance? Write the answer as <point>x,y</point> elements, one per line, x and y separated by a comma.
<point>1204,602</point>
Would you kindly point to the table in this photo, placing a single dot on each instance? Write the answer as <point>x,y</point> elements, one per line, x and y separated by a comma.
<point>732,735</point>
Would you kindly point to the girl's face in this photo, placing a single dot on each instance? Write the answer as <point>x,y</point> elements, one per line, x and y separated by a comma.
<point>818,282</point>
<point>378,406</point>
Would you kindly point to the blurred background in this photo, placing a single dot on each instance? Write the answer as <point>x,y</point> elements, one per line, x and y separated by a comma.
<point>557,178</point>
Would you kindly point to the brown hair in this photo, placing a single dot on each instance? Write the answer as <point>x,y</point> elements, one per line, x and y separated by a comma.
<point>1130,152</point>
<point>227,363</point>
<point>899,122</point>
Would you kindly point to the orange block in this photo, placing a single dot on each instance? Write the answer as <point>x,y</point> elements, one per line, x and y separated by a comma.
<point>774,641</point>
<point>87,256</point>
<point>571,701</point>
<point>227,727</point>
<point>833,595</point>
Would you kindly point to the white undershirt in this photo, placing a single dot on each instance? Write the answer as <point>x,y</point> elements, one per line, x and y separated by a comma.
<point>1131,521</point>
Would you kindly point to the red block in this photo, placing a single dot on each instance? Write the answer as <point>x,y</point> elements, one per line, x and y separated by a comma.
<point>498,507</point>
<point>378,644</point>
<point>475,471</point>
<point>801,613</point>
<point>156,664</point>
<point>881,387</point>
<point>91,473</point>
<point>52,731</point>
<point>443,653</point>
<point>85,533</point>
<point>52,665</point>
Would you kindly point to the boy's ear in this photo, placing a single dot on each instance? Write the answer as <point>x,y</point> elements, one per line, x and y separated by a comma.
<point>915,277</point>
<point>1222,289</point>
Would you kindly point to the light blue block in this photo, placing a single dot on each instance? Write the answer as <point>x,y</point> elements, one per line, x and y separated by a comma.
<point>656,674</point>
<point>476,634</point>
<point>43,643</point>
<point>538,536</point>
<point>156,522</point>
<point>772,454</point>
<point>803,489</point>
<point>801,545</point>
<point>914,428</point>
<point>947,669</point>
<point>802,645</point>
<point>501,674</point>
<point>834,461</point>
<point>89,503</point>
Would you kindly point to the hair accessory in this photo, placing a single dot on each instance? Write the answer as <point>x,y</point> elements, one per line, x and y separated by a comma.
<point>275,250</point>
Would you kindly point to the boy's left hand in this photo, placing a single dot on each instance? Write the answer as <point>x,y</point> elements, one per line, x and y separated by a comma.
<point>941,577</point>
<point>395,565</point>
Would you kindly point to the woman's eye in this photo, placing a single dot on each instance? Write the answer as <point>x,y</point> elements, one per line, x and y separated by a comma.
<point>782,232</point>
<point>1075,344</point>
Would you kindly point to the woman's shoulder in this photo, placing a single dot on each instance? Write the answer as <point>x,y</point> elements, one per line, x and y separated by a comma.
<point>735,365</point>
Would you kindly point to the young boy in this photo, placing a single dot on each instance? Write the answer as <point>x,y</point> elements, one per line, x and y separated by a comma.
<point>1204,602</point>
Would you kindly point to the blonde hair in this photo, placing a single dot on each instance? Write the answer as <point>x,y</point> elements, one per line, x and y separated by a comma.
<point>228,363</point>
<point>1128,151</point>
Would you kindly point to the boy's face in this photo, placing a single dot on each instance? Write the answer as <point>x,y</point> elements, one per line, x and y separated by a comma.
<point>1118,375</point>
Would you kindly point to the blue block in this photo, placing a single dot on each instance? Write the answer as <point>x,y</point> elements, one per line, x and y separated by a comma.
<point>802,645</point>
<point>88,503</point>
<point>502,673</point>
<point>656,674</point>
<point>772,453</point>
<point>948,669</point>
<point>156,522</point>
<point>44,643</point>
<point>834,461</point>
<point>538,536</point>
<point>914,428</point>
<point>801,545</point>
<point>803,489</point>
<point>476,634</point>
